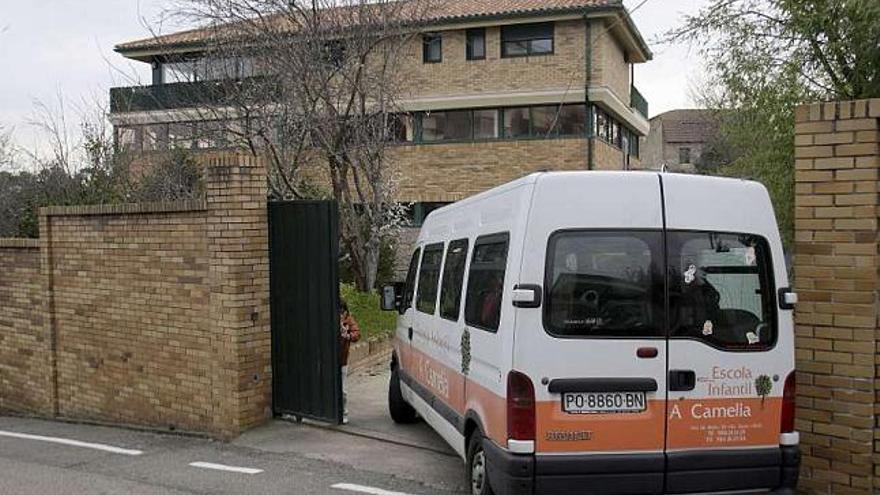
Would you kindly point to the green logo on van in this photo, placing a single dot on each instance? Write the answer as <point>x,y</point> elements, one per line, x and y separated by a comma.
<point>763,385</point>
<point>465,352</point>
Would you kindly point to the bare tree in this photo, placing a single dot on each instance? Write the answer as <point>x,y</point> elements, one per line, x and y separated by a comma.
<point>322,105</point>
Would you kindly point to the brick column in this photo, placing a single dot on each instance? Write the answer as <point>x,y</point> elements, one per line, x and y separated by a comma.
<point>836,275</point>
<point>239,280</point>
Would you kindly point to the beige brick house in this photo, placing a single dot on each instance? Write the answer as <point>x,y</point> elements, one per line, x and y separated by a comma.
<point>482,82</point>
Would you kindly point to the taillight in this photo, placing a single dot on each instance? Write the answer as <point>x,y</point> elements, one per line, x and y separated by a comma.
<point>788,404</point>
<point>520,407</point>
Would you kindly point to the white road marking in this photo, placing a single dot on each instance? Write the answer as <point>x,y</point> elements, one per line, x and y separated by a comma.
<point>72,443</point>
<point>365,489</point>
<point>221,467</point>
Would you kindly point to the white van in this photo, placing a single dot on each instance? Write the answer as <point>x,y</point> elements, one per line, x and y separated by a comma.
<point>603,333</point>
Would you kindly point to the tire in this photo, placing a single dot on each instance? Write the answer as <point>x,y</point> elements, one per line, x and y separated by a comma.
<point>401,412</point>
<point>476,468</point>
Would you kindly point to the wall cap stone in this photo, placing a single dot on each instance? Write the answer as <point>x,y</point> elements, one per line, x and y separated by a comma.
<point>19,243</point>
<point>126,208</point>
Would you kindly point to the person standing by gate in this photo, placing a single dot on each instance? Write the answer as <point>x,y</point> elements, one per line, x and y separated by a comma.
<point>349,332</point>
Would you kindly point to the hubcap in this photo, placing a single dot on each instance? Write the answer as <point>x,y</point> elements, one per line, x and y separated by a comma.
<point>478,473</point>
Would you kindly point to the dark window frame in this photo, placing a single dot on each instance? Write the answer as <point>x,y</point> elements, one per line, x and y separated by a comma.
<point>684,151</point>
<point>459,288</point>
<point>430,248</point>
<point>412,277</point>
<point>482,241</point>
<point>518,33</point>
<point>471,35</point>
<point>427,42</point>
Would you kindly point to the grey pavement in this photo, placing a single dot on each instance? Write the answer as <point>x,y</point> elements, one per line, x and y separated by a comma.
<point>372,453</point>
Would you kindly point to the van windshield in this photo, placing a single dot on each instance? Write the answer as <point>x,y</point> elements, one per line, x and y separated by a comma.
<point>605,284</point>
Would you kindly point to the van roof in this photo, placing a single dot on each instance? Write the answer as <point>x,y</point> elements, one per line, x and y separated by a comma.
<point>580,174</point>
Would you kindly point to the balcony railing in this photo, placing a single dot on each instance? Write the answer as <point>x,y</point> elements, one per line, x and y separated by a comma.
<point>639,102</point>
<point>181,95</point>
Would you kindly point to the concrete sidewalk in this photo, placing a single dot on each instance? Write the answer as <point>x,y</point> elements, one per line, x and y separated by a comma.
<point>370,442</point>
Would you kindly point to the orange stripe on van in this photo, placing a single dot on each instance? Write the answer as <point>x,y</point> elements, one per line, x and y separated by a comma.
<point>721,423</point>
<point>559,431</point>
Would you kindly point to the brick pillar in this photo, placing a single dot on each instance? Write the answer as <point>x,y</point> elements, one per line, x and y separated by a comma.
<point>836,274</point>
<point>239,280</point>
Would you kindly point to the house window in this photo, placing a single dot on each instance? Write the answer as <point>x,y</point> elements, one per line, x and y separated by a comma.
<point>572,120</point>
<point>527,39</point>
<point>447,126</point>
<point>476,44</point>
<point>432,48</point>
<point>155,137</point>
<point>684,155</point>
<point>127,138</point>
<point>485,124</point>
<point>517,122</point>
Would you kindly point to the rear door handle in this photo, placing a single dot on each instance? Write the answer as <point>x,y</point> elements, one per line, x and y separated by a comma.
<point>410,332</point>
<point>682,380</point>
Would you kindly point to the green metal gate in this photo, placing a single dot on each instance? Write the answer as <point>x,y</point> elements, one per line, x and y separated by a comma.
<point>304,297</point>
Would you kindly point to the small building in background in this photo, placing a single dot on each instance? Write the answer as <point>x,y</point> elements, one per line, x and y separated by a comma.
<point>678,139</point>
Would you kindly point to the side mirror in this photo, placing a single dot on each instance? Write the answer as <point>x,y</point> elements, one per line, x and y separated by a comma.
<point>392,297</point>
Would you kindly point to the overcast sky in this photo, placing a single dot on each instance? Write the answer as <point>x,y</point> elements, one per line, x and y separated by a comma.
<point>51,47</point>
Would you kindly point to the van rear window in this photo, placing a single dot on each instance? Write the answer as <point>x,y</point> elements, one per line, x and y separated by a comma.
<point>605,284</point>
<point>721,290</point>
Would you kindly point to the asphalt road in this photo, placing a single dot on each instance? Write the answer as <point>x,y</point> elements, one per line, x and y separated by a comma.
<point>371,456</point>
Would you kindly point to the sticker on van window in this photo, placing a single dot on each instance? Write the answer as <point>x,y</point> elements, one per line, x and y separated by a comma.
<point>753,338</point>
<point>571,262</point>
<point>690,275</point>
<point>751,256</point>
<point>708,328</point>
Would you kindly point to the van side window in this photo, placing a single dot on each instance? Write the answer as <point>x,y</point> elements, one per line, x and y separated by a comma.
<point>721,290</point>
<point>486,282</point>
<point>429,277</point>
<point>605,284</point>
<point>410,287</point>
<point>453,276</point>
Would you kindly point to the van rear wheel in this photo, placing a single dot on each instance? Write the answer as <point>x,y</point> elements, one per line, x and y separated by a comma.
<point>401,412</point>
<point>477,472</point>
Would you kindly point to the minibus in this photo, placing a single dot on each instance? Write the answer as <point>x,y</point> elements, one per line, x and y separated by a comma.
<point>603,333</point>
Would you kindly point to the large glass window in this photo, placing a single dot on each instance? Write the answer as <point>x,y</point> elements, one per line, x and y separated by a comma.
<point>155,137</point>
<point>572,120</point>
<point>486,282</point>
<point>485,124</point>
<point>410,288</point>
<point>517,122</point>
<point>605,284</point>
<point>453,276</point>
<point>429,277</point>
<point>447,126</point>
<point>476,44</point>
<point>721,289</point>
<point>432,48</point>
<point>527,39</point>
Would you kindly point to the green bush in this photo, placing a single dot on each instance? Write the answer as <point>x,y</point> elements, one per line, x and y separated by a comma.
<point>364,306</point>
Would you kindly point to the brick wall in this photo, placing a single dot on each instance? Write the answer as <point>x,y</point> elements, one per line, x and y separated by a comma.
<point>456,76</point>
<point>836,273</point>
<point>158,313</point>
<point>450,172</point>
<point>25,347</point>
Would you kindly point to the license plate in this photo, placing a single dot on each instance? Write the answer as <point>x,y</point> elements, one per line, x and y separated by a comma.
<point>604,402</point>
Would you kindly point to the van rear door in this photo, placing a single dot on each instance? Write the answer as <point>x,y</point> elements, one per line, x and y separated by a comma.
<point>596,350</point>
<point>730,348</point>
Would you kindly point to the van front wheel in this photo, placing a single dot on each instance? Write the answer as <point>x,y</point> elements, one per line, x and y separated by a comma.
<point>401,412</point>
<point>477,473</point>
